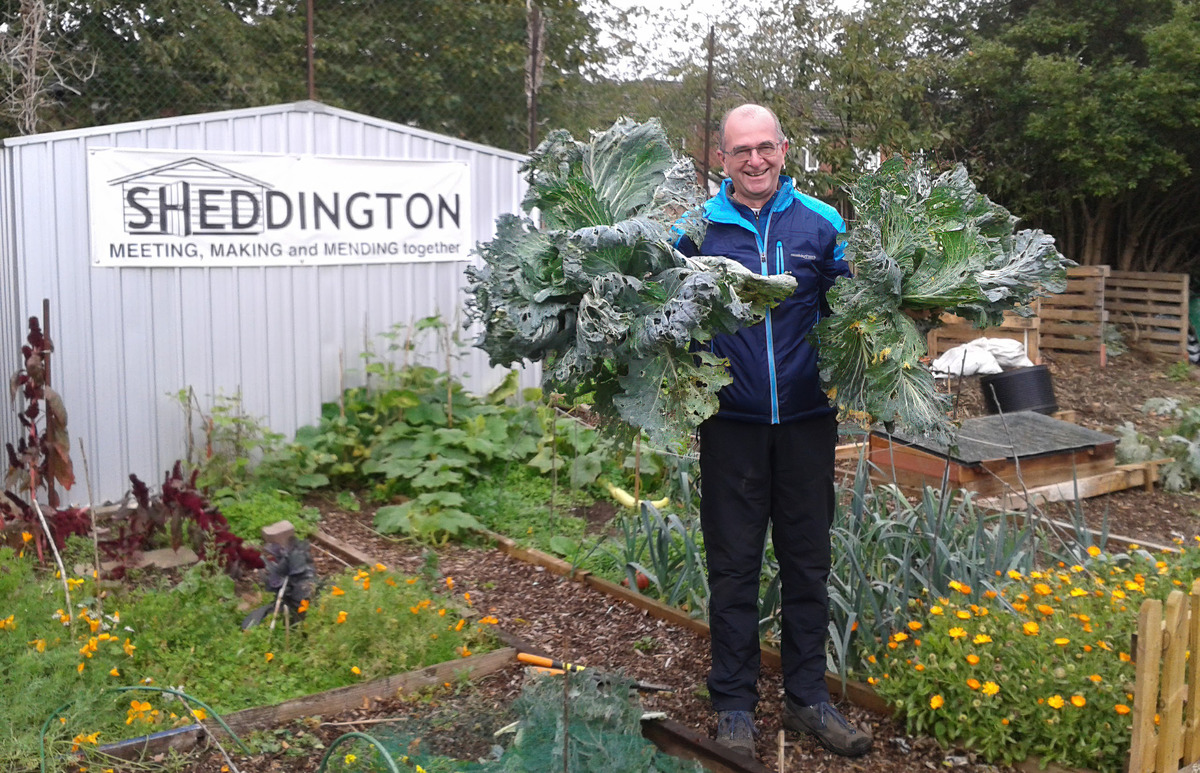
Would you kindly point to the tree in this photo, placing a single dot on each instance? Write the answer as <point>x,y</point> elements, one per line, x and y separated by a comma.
<point>1082,116</point>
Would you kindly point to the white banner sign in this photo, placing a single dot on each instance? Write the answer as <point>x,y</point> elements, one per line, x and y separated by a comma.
<point>178,208</point>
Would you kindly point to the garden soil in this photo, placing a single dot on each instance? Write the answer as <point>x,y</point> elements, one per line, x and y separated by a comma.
<point>581,625</point>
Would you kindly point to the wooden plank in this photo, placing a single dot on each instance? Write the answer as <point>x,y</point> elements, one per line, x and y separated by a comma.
<point>1056,343</point>
<point>1078,271</point>
<point>1159,303</point>
<point>1145,687</point>
<point>342,550</point>
<point>1125,476</point>
<point>1191,741</point>
<point>1170,738</point>
<point>690,744</point>
<point>1081,316</point>
<point>848,451</point>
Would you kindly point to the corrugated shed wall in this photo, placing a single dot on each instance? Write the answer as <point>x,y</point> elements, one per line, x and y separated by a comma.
<point>128,339</point>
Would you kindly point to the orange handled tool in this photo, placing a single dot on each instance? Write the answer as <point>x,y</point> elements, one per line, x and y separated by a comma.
<point>537,660</point>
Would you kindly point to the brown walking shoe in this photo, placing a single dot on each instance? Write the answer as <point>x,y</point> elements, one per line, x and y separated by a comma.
<point>735,729</point>
<point>828,726</point>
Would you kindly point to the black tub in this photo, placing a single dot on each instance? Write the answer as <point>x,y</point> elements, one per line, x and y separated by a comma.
<point>1023,389</point>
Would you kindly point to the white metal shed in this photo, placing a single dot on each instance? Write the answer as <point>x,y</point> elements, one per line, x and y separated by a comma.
<point>128,338</point>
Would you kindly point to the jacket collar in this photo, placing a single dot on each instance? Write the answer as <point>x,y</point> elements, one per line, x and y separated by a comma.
<point>722,209</point>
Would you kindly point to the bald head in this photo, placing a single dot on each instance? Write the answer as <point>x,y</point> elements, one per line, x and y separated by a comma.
<point>749,112</point>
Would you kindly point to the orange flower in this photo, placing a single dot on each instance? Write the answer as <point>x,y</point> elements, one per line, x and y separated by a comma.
<point>973,659</point>
<point>1121,708</point>
<point>341,618</point>
<point>303,606</point>
<point>973,684</point>
<point>337,591</point>
<point>356,670</point>
<point>380,568</point>
<point>269,656</point>
<point>1031,628</point>
<point>450,583</point>
<point>1096,678</point>
<point>936,702</point>
<point>1045,609</point>
<point>1078,701</point>
<point>914,625</point>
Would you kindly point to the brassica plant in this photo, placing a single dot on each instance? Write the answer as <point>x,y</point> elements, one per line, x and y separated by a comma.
<point>590,285</point>
<point>922,243</point>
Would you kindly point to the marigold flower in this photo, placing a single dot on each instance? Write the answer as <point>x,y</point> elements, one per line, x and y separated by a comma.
<point>973,684</point>
<point>935,610</point>
<point>466,653</point>
<point>1045,609</point>
<point>350,758</point>
<point>129,648</point>
<point>269,656</point>
<point>1031,628</point>
<point>914,625</point>
<point>337,591</point>
<point>356,670</point>
<point>341,618</point>
<point>489,620</point>
<point>1124,657</point>
<point>1062,641</point>
<point>1056,701</point>
<point>963,614</point>
<point>199,714</point>
<point>80,668</point>
<point>982,638</point>
<point>450,583</point>
<point>1004,721</point>
<point>870,658</point>
<point>303,606</point>
<point>467,598</point>
<point>919,667</point>
<point>114,672</point>
<point>1093,551</point>
<point>991,688</point>
<point>1078,701</point>
<point>1041,589</point>
<point>411,580</point>
<point>936,702</point>
<point>366,583</point>
<point>390,581</point>
<point>1019,607</point>
<point>973,659</point>
<point>1013,574</point>
<point>989,593</point>
<point>956,633</point>
<point>38,644</point>
<point>1096,678</point>
<point>1121,708</point>
<point>899,636</point>
<point>1077,592</point>
<point>460,624</point>
<point>380,568</point>
<point>872,681</point>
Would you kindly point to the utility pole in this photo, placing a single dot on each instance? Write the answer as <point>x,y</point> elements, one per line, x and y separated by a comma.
<point>708,95</point>
<point>308,45</point>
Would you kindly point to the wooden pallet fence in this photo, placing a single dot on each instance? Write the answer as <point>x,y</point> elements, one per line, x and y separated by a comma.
<point>956,330</point>
<point>1162,687</point>
<point>1072,321</point>
<point>1151,310</point>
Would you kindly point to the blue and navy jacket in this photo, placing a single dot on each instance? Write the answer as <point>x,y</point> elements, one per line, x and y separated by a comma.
<point>773,365</point>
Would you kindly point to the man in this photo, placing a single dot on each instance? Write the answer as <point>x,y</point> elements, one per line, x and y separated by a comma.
<point>767,456</point>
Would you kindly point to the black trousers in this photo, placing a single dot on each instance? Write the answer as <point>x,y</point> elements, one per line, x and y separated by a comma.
<point>752,474</point>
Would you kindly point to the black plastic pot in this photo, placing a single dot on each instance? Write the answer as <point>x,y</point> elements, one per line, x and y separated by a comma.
<point>1023,389</point>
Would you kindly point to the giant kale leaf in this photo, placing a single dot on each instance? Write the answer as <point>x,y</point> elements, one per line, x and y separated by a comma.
<point>922,242</point>
<point>590,284</point>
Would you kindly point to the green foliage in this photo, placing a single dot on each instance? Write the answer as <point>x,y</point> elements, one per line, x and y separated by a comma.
<point>1042,668</point>
<point>232,442</point>
<point>922,242</point>
<point>599,293</point>
<point>159,635</point>
<point>600,730</point>
<point>667,550</point>
<point>888,550</point>
<point>254,509</point>
<point>1180,444</point>
<point>1180,372</point>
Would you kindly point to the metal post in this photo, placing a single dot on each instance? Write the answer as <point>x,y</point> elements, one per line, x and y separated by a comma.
<point>708,94</point>
<point>308,45</point>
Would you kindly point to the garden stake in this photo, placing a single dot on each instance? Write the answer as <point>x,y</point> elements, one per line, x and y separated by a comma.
<point>87,478</point>
<point>62,572</point>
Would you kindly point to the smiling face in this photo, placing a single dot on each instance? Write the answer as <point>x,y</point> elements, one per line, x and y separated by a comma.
<point>751,133</point>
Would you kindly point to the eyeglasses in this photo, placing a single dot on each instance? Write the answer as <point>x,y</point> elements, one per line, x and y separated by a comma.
<point>766,150</point>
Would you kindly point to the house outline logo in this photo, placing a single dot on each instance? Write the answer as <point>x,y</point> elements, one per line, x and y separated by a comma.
<point>192,197</point>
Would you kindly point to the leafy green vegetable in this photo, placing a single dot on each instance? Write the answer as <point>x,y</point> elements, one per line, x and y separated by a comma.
<point>599,294</point>
<point>922,242</point>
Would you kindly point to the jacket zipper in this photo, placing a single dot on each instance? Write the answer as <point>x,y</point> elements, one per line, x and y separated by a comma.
<point>763,243</point>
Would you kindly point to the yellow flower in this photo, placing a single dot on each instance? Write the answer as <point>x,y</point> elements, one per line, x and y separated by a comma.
<point>936,702</point>
<point>991,688</point>
<point>973,684</point>
<point>8,623</point>
<point>956,633</point>
<point>337,591</point>
<point>80,668</point>
<point>1013,574</point>
<point>1077,592</point>
<point>1078,701</point>
<point>129,648</point>
<point>1056,701</point>
<point>973,659</point>
<point>872,681</point>
<point>1093,551</point>
<point>26,537</point>
<point>1041,589</point>
<point>269,656</point>
<point>982,638</point>
<point>935,610</point>
<point>900,636</point>
<point>199,714</point>
<point>914,625</point>
<point>989,593</point>
<point>1031,628</point>
<point>963,614</point>
<point>341,618</point>
<point>350,758</point>
<point>356,670</point>
<point>1096,678</point>
<point>1121,708</point>
<point>1062,641</point>
<point>114,672</point>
